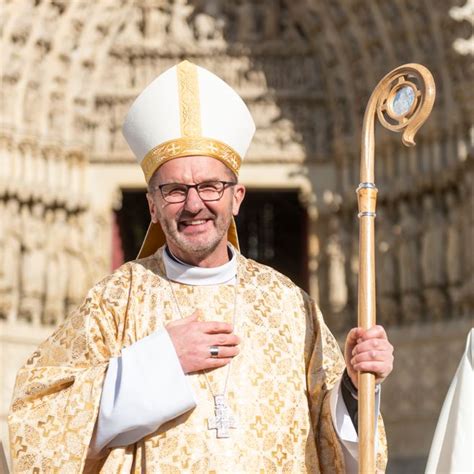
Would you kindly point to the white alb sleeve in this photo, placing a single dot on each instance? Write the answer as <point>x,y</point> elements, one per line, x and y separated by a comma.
<point>143,388</point>
<point>345,428</point>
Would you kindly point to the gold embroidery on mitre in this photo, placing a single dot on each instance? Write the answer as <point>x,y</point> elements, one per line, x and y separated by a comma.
<point>189,146</point>
<point>189,104</point>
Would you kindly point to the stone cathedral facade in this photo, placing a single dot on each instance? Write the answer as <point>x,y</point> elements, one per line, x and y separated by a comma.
<point>69,70</point>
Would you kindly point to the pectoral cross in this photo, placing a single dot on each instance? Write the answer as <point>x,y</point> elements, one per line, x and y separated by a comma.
<point>224,420</point>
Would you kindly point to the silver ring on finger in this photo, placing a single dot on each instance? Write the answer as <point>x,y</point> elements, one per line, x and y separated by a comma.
<point>214,351</point>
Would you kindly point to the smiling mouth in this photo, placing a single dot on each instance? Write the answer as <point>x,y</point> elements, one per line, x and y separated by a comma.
<point>196,222</point>
<point>193,224</point>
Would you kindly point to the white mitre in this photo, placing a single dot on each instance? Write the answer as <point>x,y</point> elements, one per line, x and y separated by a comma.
<point>187,111</point>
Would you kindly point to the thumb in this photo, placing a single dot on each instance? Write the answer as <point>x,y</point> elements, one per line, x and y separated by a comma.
<point>189,319</point>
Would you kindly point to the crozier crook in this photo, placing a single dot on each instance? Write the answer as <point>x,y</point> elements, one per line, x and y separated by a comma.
<point>402,100</point>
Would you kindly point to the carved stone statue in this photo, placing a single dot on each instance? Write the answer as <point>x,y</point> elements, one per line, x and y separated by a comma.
<point>271,19</point>
<point>33,263</point>
<point>467,291</point>
<point>408,263</point>
<point>336,268</point>
<point>133,30</point>
<point>387,272</point>
<point>179,28</point>
<point>10,262</point>
<point>245,21</point>
<point>57,271</point>
<point>433,248</point>
<point>96,237</point>
<point>3,229</point>
<point>157,22</point>
<point>209,23</point>
<point>454,250</point>
<point>78,281</point>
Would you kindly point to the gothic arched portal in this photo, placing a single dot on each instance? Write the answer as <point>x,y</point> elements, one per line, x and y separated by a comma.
<point>69,70</point>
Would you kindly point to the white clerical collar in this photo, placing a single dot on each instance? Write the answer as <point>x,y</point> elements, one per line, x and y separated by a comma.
<point>182,272</point>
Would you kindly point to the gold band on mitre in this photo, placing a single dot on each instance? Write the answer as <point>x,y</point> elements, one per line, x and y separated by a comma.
<point>190,146</point>
<point>178,148</point>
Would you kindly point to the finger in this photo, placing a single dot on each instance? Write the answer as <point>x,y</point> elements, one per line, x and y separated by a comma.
<point>193,317</point>
<point>379,369</point>
<point>225,352</point>
<point>370,356</point>
<point>372,344</point>
<point>353,335</point>
<point>223,340</point>
<point>215,327</point>
<point>375,332</point>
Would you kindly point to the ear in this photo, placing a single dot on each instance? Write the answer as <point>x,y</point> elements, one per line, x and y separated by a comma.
<point>237,198</point>
<point>152,207</point>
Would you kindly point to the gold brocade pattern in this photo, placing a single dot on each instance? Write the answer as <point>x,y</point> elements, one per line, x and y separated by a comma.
<point>189,104</point>
<point>278,389</point>
<point>189,146</point>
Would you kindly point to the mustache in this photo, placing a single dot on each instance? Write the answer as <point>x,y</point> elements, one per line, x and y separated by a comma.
<point>186,215</point>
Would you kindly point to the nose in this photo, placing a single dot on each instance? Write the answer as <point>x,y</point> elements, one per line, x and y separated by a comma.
<point>193,202</point>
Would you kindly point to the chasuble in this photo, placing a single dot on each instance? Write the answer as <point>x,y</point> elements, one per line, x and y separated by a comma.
<point>278,388</point>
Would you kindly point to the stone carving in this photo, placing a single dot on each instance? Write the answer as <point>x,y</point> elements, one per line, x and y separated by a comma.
<point>271,13</point>
<point>57,268</point>
<point>467,291</point>
<point>454,250</point>
<point>387,271</point>
<point>3,229</point>
<point>157,22</point>
<point>336,256</point>
<point>78,280</point>
<point>133,30</point>
<point>433,248</point>
<point>33,263</point>
<point>179,28</point>
<point>96,238</point>
<point>245,21</point>
<point>408,253</point>
<point>209,24</point>
<point>10,261</point>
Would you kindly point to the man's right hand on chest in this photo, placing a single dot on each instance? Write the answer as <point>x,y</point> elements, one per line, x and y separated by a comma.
<point>193,339</point>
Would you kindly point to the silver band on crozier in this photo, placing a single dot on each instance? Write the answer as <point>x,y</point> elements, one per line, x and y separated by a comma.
<point>366,185</point>
<point>214,350</point>
<point>366,214</point>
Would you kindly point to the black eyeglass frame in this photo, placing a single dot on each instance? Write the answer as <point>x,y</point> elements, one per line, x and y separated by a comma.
<point>225,185</point>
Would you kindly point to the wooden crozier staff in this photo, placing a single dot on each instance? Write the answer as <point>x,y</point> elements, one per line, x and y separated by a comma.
<point>403,100</point>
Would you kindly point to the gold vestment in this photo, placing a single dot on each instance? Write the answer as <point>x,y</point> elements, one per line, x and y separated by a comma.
<point>277,391</point>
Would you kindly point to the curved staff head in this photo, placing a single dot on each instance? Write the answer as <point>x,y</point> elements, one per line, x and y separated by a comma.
<point>402,100</point>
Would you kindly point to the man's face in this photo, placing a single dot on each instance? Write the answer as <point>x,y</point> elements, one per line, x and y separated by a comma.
<point>195,229</point>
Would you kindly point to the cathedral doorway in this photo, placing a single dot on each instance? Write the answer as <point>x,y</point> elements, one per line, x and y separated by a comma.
<point>272,228</point>
<point>130,225</point>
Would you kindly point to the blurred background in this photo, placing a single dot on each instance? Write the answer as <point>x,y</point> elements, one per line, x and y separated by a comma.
<point>72,204</point>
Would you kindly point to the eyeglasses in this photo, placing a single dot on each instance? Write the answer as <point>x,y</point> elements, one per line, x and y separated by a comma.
<point>207,191</point>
